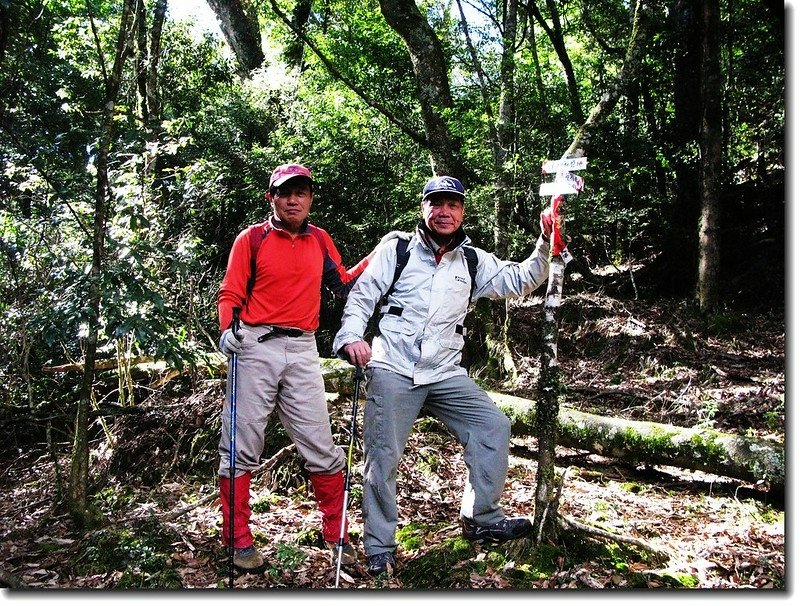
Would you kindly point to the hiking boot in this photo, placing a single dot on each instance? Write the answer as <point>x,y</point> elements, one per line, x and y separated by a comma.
<point>381,563</point>
<point>249,560</point>
<point>504,530</point>
<point>348,553</point>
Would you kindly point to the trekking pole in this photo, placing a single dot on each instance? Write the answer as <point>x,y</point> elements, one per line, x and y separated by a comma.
<point>232,450</point>
<point>340,545</point>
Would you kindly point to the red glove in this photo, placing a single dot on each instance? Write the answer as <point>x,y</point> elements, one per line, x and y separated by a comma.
<point>550,224</point>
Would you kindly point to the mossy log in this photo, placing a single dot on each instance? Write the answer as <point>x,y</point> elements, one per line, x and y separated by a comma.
<point>643,442</point>
<point>638,442</point>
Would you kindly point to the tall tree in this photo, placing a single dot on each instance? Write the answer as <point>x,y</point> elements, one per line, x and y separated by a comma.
<point>79,471</point>
<point>239,25</point>
<point>433,83</point>
<point>710,160</point>
<point>4,22</point>
<point>679,250</point>
<point>152,91</point>
<point>555,33</point>
<point>501,132</point>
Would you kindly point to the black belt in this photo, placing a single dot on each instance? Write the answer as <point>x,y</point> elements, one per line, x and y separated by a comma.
<point>278,331</point>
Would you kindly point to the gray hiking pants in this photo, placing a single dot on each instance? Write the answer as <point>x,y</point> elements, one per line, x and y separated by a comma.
<point>283,374</point>
<point>393,404</point>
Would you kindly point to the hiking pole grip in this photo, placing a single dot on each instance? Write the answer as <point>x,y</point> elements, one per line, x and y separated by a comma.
<point>359,375</point>
<point>234,363</point>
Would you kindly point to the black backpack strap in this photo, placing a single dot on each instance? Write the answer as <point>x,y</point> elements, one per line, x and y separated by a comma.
<point>258,234</point>
<point>472,266</point>
<point>403,254</point>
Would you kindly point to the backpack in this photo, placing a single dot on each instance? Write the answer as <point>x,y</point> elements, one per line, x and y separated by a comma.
<point>258,234</point>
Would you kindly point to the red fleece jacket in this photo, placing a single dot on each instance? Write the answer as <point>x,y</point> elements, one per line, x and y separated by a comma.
<point>290,271</point>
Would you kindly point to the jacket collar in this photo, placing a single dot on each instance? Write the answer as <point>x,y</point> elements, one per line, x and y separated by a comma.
<point>276,223</point>
<point>426,235</point>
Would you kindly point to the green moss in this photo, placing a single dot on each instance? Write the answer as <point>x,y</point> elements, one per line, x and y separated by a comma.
<point>449,565</point>
<point>356,493</point>
<point>768,514</point>
<point>410,537</point>
<point>428,463</point>
<point>260,537</point>
<point>657,444</point>
<point>46,547</point>
<point>114,498</point>
<point>707,444</point>
<point>774,419</point>
<point>680,580</point>
<point>446,566</point>
<point>310,536</point>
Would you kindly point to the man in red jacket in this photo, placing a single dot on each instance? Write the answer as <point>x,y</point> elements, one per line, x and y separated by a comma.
<point>278,363</point>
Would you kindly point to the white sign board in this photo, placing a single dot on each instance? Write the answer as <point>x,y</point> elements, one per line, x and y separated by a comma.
<point>556,188</point>
<point>553,166</point>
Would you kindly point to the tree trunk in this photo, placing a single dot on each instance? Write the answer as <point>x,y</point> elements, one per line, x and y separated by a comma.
<point>79,470</point>
<point>152,91</point>
<point>506,123</point>
<point>239,25</point>
<point>152,172</point>
<point>489,315</point>
<point>293,52</point>
<point>556,37</point>
<point>505,194</point>
<point>298,27</point>
<point>141,50</point>
<point>548,410</point>
<point>4,27</point>
<point>549,381</point>
<point>710,161</point>
<point>679,250</point>
<point>433,84</point>
<point>655,135</point>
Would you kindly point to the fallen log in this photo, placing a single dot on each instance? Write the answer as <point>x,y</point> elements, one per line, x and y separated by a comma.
<point>643,442</point>
<point>637,442</point>
<point>158,372</point>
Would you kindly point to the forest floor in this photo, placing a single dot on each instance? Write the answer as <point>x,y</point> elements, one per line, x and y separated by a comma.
<point>160,521</point>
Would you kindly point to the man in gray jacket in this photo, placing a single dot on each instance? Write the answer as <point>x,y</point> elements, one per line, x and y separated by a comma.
<point>414,361</point>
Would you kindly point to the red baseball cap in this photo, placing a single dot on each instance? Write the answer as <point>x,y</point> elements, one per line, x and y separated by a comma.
<point>288,171</point>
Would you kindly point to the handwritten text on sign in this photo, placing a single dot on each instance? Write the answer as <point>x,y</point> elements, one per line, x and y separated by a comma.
<point>554,166</point>
<point>565,182</point>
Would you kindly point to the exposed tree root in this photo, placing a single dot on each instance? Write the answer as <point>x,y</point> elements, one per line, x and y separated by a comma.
<point>568,523</point>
